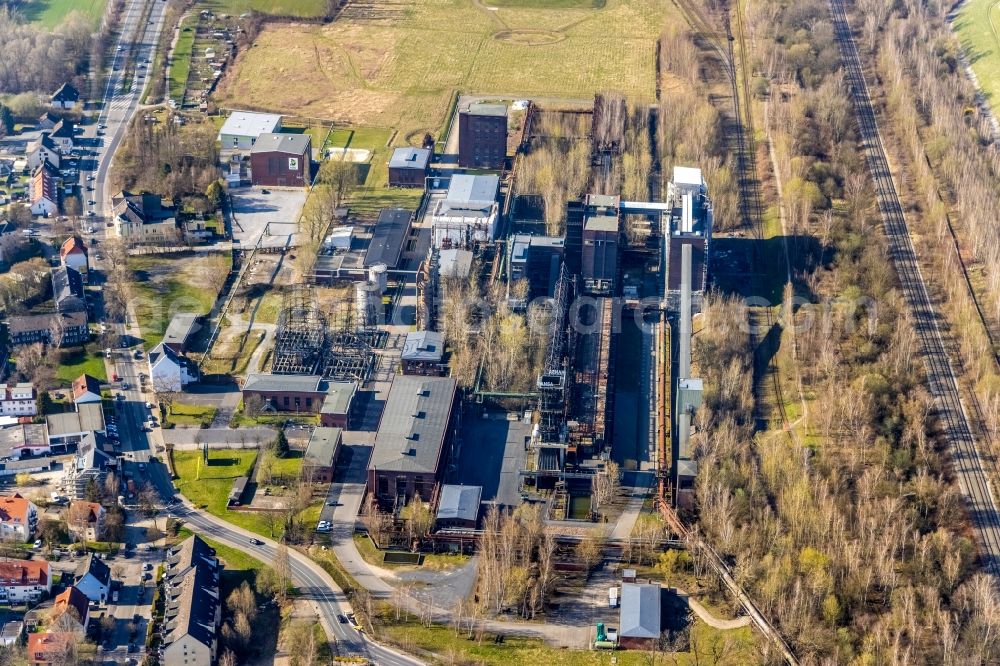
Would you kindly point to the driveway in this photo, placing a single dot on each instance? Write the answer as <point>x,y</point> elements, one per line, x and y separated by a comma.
<point>252,211</point>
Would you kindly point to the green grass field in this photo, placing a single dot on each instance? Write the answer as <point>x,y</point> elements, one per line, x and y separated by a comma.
<point>180,65</point>
<point>978,29</point>
<point>208,486</point>
<point>50,13</point>
<point>713,646</point>
<point>181,414</point>
<point>81,361</point>
<point>397,64</point>
<point>169,284</point>
<point>547,4</point>
<point>296,8</point>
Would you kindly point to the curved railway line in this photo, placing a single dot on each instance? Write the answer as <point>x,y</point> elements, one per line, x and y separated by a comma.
<point>941,379</point>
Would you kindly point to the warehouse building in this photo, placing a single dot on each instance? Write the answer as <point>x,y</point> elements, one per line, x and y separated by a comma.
<point>408,167</point>
<point>281,160</point>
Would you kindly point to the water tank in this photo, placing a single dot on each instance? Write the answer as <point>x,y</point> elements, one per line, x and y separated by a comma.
<point>366,298</point>
<point>379,274</point>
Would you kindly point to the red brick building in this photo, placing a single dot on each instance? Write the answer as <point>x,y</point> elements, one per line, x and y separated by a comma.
<point>281,160</point>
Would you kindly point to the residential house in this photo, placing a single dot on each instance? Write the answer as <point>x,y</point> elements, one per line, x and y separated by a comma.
<point>86,389</point>
<point>73,254</point>
<point>59,329</point>
<point>242,128</point>
<point>24,440</point>
<point>47,121</point>
<point>321,455</point>
<point>286,393</point>
<point>42,150</point>
<point>458,507</point>
<point>468,213</point>
<point>281,160</point>
<point>170,371</point>
<point>143,218</point>
<point>93,578</point>
<point>640,616</point>
<point>482,136</point>
<point>423,354</point>
<point>193,608</point>
<point>408,167</point>
<point>66,97</point>
<point>86,520</point>
<point>67,290</point>
<point>18,399</point>
<point>412,440</point>
<point>24,581</point>
<point>52,649</point>
<point>392,229</point>
<point>70,612</point>
<point>63,134</point>
<point>18,518</point>
<point>335,411</point>
<point>44,195</point>
<point>90,465</point>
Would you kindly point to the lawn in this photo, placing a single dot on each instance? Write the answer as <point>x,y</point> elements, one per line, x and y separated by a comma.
<point>50,13</point>
<point>978,28</point>
<point>166,285</point>
<point>295,8</point>
<point>78,361</point>
<point>399,68</point>
<point>180,65</point>
<point>182,414</point>
<point>208,486</point>
<point>732,647</point>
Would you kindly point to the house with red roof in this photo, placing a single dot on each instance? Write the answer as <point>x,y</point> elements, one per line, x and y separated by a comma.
<point>71,611</point>
<point>51,649</point>
<point>24,580</point>
<point>73,254</point>
<point>18,518</point>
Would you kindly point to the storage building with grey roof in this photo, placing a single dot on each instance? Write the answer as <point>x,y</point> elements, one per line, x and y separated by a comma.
<point>412,438</point>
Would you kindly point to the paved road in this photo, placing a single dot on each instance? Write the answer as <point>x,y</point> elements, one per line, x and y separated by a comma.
<point>139,37</point>
<point>941,379</point>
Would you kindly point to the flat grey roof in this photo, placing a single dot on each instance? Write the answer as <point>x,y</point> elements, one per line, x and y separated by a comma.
<point>245,123</point>
<point>601,223</point>
<point>88,417</point>
<point>640,611</point>
<point>414,424</point>
<point>390,233</point>
<point>291,144</point>
<point>423,346</point>
<point>480,109</point>
<point>260,381</point>
<point>338,397</point>
<point>322,448</point>
<point>410,158</point>
<point>455,263</point>
<point>467,192</point>
<point>180,328</point>
<point>459,502</point>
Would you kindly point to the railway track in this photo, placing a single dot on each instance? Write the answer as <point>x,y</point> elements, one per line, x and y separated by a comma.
<point>941,378</point>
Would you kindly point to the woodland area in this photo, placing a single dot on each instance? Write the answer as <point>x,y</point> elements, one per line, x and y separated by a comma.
<point>851,540</point>
<point>36,60</point>
<point>948,147</point>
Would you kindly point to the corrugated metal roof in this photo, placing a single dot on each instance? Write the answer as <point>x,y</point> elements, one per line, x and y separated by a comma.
<point>459,502</point>
<point>467,192</point>
<point>260,381</point>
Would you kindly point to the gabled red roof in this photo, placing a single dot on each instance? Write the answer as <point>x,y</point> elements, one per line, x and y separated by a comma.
<point>24,573</point>
<point>14,508</point>
<point>73,598</point>
<point>40,644</point>
<point>72,245</point>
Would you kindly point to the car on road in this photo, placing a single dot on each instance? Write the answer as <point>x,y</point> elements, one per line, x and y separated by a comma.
<point>91,202</point>
<point>341,619</point>
<point>90,177</point>
<point>37,544</point>
<point>142,467</point>
<point>29,232</point>
<point>91,213</point>
<point>333,503</point>
<point>256,542</point>
<point>125,386</point>
<point>102,126</point>
<point>149,405</point>
<point>91,230</point>
<point>146,566</point>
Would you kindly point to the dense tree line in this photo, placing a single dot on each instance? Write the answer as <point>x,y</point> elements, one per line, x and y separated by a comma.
<point>951,154</point>
<point>38,60</point>
<point>167,159</point>
<point>851,539</point>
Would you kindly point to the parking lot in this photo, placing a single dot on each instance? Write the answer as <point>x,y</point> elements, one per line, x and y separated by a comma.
<point>253,210</point>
